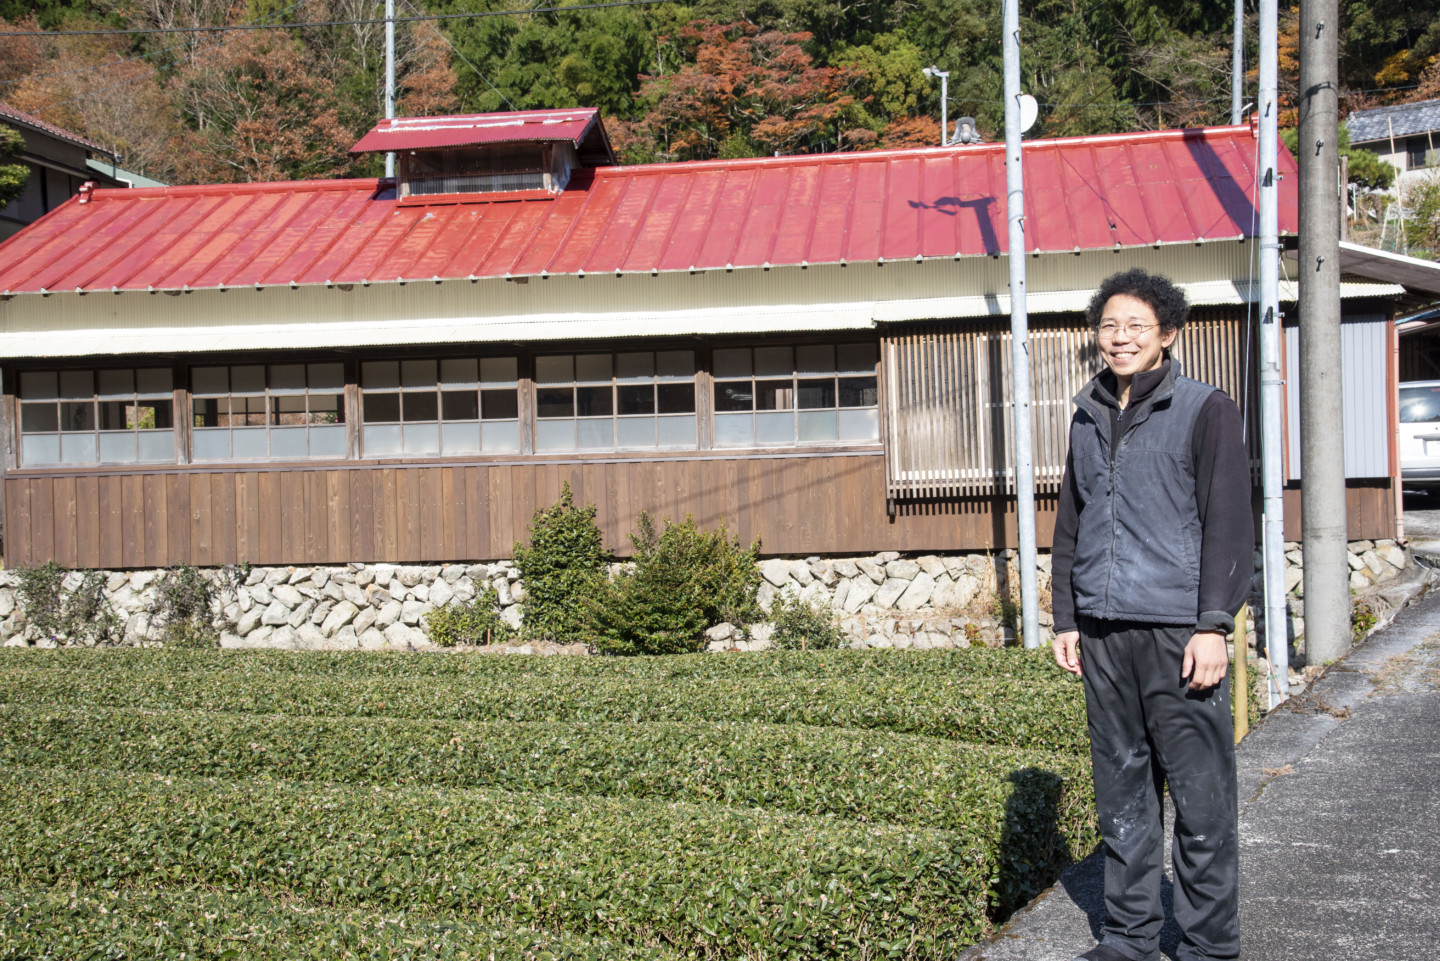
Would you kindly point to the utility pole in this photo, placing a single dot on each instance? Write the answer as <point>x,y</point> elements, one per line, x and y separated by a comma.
<point>1020,332</point>
<point>390,77</point>
<point>1237,63</point>
<point>1322,443</point>
<point>944,75</point>
<point>1271,416</point>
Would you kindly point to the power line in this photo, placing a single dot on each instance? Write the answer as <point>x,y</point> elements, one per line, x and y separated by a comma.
<point>332,23</point>
<point>456,50</point>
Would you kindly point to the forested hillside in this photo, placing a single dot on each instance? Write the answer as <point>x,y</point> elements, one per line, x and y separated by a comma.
<point>674,80</point>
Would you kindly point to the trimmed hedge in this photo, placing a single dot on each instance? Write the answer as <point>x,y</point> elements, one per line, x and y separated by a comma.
<point>50,925</point>
<point>1012,663</point>
<point>985,710</point>
<point>1034,810</point>
<point>704,879</point>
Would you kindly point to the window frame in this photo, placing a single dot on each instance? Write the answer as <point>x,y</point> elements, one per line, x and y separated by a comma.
<point>272,398</point>
<point>134,399</point>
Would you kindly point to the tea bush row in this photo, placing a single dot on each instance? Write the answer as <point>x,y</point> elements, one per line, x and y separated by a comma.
<point>708,880</point>
<point>981,710</point>
<point>171,925</point>
<point>1017,664</point>
<point>1037,806</point>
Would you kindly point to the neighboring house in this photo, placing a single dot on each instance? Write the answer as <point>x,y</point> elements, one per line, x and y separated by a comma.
<point>59,163</point>
<point>812,349</point>
<point>1406,135</point>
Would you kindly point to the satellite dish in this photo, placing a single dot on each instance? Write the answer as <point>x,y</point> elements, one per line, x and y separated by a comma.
<point>1029,110</point>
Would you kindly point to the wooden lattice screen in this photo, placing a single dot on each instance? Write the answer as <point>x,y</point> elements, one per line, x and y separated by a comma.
<point>948,406</point>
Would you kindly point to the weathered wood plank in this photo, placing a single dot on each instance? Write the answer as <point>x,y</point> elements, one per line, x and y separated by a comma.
<point>112,530</point>
<point>224,538</point>
<point>156,535</point>
<point>87,521</point>
<point>337,516</point>
<point>132,514</point>
<point>200,510</point>
<point>63,491</point>
<point>270,546</point>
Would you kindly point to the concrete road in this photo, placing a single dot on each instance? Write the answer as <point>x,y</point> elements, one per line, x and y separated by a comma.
<point>1422,524</point>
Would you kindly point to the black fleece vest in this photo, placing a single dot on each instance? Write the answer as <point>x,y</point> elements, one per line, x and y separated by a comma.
<point>1137,549</point>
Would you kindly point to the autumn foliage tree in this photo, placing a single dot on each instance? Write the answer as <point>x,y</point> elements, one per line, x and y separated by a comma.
<point>736,91</point>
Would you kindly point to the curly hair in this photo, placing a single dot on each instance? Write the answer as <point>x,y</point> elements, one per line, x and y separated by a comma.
<point>1155,291</point>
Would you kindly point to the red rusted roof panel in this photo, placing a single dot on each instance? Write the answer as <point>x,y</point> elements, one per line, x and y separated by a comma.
<point>428,133</point>
<point>1082,193</point>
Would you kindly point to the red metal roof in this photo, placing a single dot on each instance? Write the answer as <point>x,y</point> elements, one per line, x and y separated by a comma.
<point>8,112</point>
<point>428,133</point>
<point>1087,193</point>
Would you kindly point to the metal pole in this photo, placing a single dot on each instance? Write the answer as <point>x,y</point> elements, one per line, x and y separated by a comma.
<point>1020,332</point>
<point>1271,423</point>
<point>390,77</point>
<point>1237,63</point>
<point>944,108</point>
<point>1322,442</point>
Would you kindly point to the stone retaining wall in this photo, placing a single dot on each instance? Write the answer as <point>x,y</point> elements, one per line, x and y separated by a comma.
<point>881,600</point>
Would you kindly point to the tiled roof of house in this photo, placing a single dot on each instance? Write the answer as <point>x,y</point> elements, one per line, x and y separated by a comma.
<point>1398,121</point>
<point>1087,193</point>
<point>9,113</point>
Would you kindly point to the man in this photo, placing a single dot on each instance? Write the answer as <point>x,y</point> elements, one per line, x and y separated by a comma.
<point>1152,559</point>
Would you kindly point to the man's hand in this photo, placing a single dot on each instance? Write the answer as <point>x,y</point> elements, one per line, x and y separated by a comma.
<point>1065,653</point>
<point>1206,660</point>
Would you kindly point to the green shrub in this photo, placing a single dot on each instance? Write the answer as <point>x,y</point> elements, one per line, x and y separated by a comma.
<point>683,581</point>
<point>52,925</point>
<point>801,626</point>
<point>562,569</point>
<point>873,776</point>
<point>185,610</point>
<point>709,881</point>
<point>476,621</point>
<point>80,615</point>
<point>999,709</point>
<point>1013,666</point>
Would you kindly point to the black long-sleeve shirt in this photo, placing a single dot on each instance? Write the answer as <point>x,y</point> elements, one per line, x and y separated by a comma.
<point>1222,498</point>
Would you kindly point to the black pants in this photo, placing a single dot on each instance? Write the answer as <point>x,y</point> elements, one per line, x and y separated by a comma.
<point>1148,728</point>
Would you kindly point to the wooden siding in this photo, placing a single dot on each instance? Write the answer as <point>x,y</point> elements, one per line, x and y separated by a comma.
<point>1369,510</point>
<point>433,513</point>
<point>441,512</point>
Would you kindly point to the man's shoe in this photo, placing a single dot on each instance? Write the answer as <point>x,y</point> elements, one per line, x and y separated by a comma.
<point>1101,952</point>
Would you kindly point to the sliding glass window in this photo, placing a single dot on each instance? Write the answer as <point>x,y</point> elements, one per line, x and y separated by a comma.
<point>268,412</point>
<point>458,405</point>
<point>806,394</point>
<point>640,400</point>
<point>96,417</point>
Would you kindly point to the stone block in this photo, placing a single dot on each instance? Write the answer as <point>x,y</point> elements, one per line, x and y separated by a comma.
<point>342,614</point>
<point>115,581</point>
<point>1359,580</point>
<point>300,574</point>
<point>513,615</point>
<point>517,592</point>
<point>902,570</point>
<point>800,571</point>
<point>255,577</point>
<point>966,587</point>
<point>409,576</point>
<point>364,577</point>
<point>440,593</point>
<point>765,595</point>
<point>354,594</point>
<point>284,638</point>
<point>885,557</point>
<point>451,573</point>
<point>420,592</point>
<point>364,619</point>
<point>862,589</point>
<point>248,621</point>
<point>1355,561</point>
<point>845,568</point>
<point>1294,577</point>
<point>383,574</point>
<point>411,612</point>
<point>275,615</point>
<point>308,637</point>
<point>287,595</point>
<point>890,592</point>
<point>371,639</point>
<point>1375,564</point>
<point>842,591</point>
<point>320,577</point>
<point>403,635</point>
<point>322,611</point>
<point>720,632</point>
<point>871,570</point>
<point>776,571</point>
<point>301,614</point>
<point>141,580</point>
<point>345,639</point>
<point>931,565</point>
<point>879,641</point>
<point>1356,547</point>
<point>276,576</point>
<point>917,593</point>
<point>389,613</point>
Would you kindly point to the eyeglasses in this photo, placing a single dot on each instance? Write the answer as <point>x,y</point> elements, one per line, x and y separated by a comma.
<point>1132,329</point>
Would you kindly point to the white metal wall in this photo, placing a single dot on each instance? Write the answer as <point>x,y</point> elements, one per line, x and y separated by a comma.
<point>1364,345</point>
